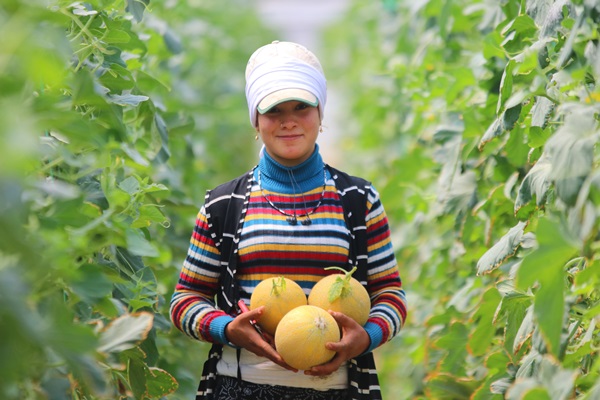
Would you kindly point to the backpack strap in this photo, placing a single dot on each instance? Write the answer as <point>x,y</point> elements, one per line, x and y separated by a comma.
<point>353,192</point>
<point>226,208</point>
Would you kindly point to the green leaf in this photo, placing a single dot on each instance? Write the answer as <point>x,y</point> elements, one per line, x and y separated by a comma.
<point>147,215</point>
<point>125,332</point>
<point>483,334</point>
<point>138,245</point>
<point>91,284</point>
<point>522,24</point>
<point>492,47</point>
<point>447,386</point>
<point>127,99</point>
<point>492,132</point>
<point>453,343</point>
<point>116,36</point>
<point>525,330</point>
<point>571,150</point>
<point>546,266</point>
<point>510,117</point>
<point>522,387</point>
<point>537,394</point>
<point>537,136</point>
<point>506,87</point>
<point>130,185</point>
<point>536,183</point>
<point>160,383</point>
<point>137,377</point>
<point>593,393</point>
<point>549,307</point>
<point>161,127</point>
<point>504,248</point>
<point>559,381</point>
<point>335,292</point>
<point>541,111</point>
<point>452,127</point>
<point>137,8</point>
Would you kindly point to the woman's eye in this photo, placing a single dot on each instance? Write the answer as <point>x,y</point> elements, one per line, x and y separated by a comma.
<point>272,110</point>
<point>301,106</point>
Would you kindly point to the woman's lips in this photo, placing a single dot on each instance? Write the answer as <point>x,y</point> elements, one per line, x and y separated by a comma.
<point>289,137</point>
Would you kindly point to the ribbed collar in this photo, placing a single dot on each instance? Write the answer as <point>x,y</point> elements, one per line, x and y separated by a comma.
<point>276,177</point>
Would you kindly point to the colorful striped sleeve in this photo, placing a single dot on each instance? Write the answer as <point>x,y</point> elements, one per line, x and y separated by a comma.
<point>192,306</point>
<point>388,300</point>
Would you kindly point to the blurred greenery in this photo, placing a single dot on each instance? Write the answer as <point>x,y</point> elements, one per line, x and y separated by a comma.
<point>476,120</point>
<point>115,120</point>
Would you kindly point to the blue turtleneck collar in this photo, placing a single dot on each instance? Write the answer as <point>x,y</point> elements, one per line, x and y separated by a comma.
<point>276,177</point>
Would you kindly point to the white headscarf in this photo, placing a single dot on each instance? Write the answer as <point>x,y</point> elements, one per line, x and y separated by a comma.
<point>282,77</point>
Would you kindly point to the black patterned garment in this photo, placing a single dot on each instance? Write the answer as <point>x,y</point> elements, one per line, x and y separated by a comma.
<point>228,388</point>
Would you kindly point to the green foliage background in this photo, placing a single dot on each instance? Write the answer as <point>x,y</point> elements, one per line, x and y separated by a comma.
<point>476,120</point>
<point>479,122</point>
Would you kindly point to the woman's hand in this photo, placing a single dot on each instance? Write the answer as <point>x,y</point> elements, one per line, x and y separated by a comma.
<point>354,342</point>
<point>241,333</point>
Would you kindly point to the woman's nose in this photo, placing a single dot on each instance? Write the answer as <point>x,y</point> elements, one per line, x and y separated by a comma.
<point>287,122</point>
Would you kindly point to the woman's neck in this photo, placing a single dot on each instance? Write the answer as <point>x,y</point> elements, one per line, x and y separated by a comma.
<point>297,179</point>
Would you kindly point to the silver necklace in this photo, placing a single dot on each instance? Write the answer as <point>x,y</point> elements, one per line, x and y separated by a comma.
<point>292,219</point>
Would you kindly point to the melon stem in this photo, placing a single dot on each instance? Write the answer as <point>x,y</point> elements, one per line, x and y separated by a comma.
<point>278,286</point>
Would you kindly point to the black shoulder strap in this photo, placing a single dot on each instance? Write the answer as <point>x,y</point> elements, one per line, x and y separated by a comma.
<point>354,192</point>
<point>226,207</point>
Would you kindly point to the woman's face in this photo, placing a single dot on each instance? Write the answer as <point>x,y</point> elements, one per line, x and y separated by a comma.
<point>289,131</point>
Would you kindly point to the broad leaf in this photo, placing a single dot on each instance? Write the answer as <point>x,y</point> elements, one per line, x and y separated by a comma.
<point>138,245</point>
<point>160,383</point>
<point>453,343</point>
<point>546,266</point>
<point>559,381</point>
<point>536,183</point>
<point>447,386</point>
<point>137,377</point>
<point>506,87</point>
<point>492,132</point>
<point>483,334</point>
<point>524,387</point>
<point>125,332</point>
<point>571,151</point>
<point>137,8</point>
<point>503,249</point>
<point>525,330</point>
<point>541,111</point>
<point>127,99</point>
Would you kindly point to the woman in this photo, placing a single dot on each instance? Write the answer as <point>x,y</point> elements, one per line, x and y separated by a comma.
<point>291,215</point>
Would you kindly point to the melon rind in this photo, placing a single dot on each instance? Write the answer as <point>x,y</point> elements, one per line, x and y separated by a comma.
<point>276,304</point>
<point>302,334</point>
<point>356,305</point>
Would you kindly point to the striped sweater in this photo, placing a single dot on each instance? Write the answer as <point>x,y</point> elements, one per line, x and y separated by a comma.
<point>270,246</point>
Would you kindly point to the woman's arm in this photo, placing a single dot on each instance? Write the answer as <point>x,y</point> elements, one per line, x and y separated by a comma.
<point>388,300</point>
<point>193,308</point>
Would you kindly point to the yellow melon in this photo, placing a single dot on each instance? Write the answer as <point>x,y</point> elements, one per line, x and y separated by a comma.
<point>278,295</point>
<point>342,293</point>
<point>302,334</point>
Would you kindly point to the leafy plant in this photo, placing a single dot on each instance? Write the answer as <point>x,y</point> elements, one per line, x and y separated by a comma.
<point>108,111</point>
<point>488,114</point>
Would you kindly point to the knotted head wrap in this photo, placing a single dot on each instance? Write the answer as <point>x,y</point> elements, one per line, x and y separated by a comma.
<point>283,71</point>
